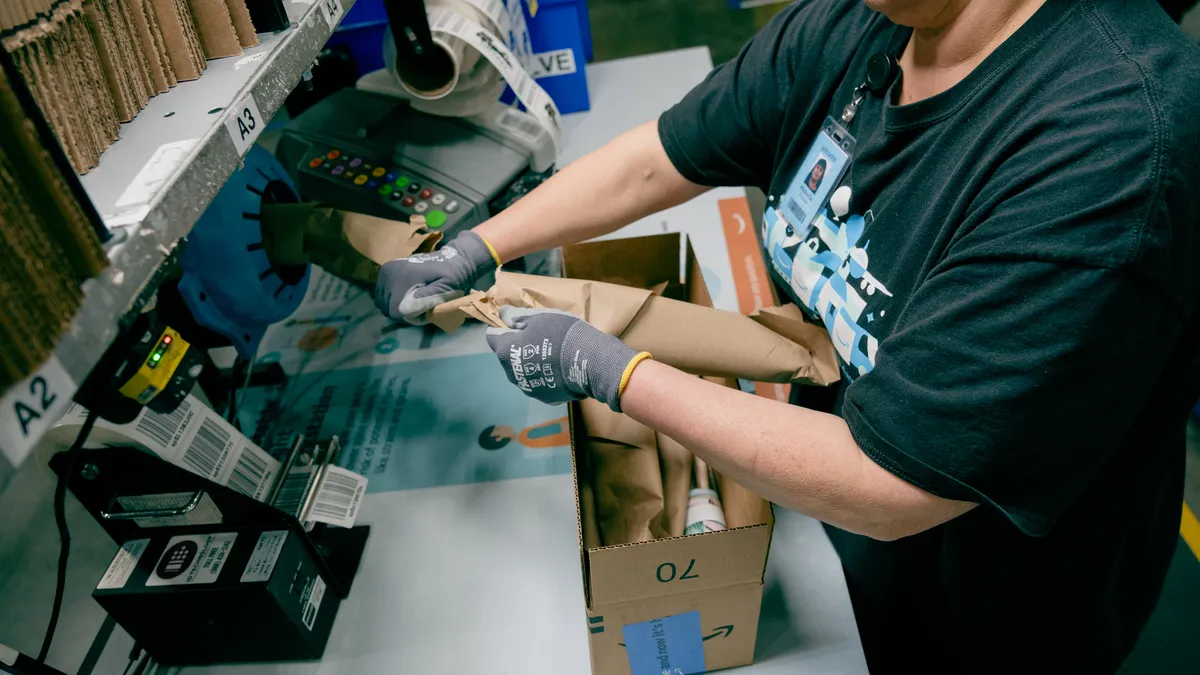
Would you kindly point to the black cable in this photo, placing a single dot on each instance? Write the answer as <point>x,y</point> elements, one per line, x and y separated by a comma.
<point>134,655</point>
<point>60,518</point>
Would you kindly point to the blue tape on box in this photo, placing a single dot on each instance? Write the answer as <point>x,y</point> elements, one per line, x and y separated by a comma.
<point>667,646</point>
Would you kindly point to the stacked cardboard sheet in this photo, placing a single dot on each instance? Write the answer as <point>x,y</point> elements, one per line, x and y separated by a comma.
<point>92,64</point>
<point>47,244</point>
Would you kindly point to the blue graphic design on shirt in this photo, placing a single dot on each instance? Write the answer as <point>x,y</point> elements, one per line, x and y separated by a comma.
<point>827,271</point>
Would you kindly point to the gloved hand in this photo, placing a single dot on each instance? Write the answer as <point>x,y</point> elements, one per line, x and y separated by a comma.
<point>556,357</point>
<point>409,287</point>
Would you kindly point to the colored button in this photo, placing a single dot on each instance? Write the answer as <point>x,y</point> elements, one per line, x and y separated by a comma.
<point>396,195</point>
<point>408,201</point>
<point>421,207</point>
<point>452,206</point>
<point>368,167</point>
<point>390,177</point>
<point>426,193</point>
<point>386,189</point>
<point>356,162</point>
<point>338,170</point>
<point>362,178</point>
<point>372,183</point>
<point>333,154</point>
<point>438,199</point>
<point>401,181</point>
<point>436,218</point>
<point>379,171</point>
<point>315,162</point>
<point>414,188</point>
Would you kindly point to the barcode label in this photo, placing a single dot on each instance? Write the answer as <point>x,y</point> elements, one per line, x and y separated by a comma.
<point>337,497</point>
<point>204,454</point>
<point>248,473</point>
<point>295,487</point>
<point>161,428</point>
<point>522,125</point>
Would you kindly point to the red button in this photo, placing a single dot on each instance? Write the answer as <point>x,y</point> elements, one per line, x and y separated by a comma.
<point>315,162</point>
<point>333,154</point>
<point>407,201</point>
<point>426,193</point>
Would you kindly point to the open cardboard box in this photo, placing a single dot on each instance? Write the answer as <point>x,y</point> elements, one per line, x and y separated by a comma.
<point>689,603</point>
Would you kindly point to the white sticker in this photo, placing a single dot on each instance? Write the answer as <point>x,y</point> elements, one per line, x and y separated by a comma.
<point>521,124</point>
<point>204,513</point>
<point>533,97</point>
<point>8,655</point>
<point>249,60</point>
<point>155,174</point>
<point>244,124</point>
<point>262,560</point>
<point>557,62</point>
<point>332,11</point>
<point>192,559</point>
<point>337,498</point>
<point>313,605</point>
<point>31,406</point>
<point>123,564</point>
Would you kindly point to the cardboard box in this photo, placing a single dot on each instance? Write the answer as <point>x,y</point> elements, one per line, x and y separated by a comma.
<point>683,604</point>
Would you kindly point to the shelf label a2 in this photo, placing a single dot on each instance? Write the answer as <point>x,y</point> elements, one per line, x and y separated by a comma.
<point>244,124</point>
<point>31,406</point>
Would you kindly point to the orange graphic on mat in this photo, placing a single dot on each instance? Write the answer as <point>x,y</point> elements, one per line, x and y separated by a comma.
<point>552,434</point>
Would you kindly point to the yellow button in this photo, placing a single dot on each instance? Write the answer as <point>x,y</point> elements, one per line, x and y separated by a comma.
<point>379,171</point>
<point>362,178</point>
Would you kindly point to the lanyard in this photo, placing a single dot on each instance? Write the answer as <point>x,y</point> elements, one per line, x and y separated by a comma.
<point>882,70</point>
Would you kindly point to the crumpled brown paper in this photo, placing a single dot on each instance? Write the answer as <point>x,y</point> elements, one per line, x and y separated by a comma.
<point>348,245</point>
<point>627,485</point>
<point>774,345</point>
<point>675,464</point>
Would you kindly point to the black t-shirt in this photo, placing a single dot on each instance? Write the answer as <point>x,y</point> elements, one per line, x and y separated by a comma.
<point>1012,294</point>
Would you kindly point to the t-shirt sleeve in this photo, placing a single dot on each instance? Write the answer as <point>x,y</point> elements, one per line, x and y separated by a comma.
<point>725,131</point>
<point>1020,363</point>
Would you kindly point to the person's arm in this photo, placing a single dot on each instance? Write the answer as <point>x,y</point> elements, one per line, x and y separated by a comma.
<point>801,459</point>
<point>628,179</point>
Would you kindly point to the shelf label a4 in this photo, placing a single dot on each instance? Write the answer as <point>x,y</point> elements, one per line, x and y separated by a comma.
<point>244,124</point>
<point>31,407</point>
<point>332,11</point>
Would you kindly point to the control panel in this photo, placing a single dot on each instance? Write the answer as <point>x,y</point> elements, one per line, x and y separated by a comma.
<point>404,192</point>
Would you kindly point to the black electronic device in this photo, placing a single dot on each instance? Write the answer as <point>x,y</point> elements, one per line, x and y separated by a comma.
<point>206,574</point>
<point>268,16</point>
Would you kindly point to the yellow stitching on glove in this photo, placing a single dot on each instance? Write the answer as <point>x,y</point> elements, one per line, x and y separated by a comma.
<point>629,371</point>
<point>492,250</point>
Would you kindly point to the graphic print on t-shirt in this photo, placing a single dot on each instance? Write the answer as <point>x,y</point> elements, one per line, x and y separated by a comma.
<point>827,273</point>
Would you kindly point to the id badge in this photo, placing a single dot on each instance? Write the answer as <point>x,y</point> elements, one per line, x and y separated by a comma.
<point>787,224</point>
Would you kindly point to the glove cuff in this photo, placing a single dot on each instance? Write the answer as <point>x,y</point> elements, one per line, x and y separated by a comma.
<point>597,363</point>
<point>480,254</point>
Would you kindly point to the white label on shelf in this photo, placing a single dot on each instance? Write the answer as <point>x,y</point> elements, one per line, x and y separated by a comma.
<point>557,62</point>
<point>249,60</point>
<point>332,11</point>
<point>337,498</point>
<point>262,560</point>
<point>313,605</point>
<point>123,564</point>
<point>8,655</point>
<point>154,175</point>
<point>192,559</point>
<point>244,124</point>
<point>31,406</point>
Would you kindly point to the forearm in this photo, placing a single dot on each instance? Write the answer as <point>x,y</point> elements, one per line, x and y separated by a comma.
<point>800,459</point>
<point>628,179</point>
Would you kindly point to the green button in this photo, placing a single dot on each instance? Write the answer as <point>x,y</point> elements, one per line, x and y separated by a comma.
<point>385,189</point>
<point>402,181</point>
<point>435,219</point>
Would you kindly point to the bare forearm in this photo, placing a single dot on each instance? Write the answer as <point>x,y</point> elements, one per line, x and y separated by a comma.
<point>801,459</point>
<point>627,179</point>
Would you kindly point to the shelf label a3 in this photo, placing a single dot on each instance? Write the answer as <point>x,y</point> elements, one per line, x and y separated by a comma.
<point>244,124</point>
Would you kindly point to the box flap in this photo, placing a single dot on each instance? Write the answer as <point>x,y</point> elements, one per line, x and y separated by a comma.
<point>678,565</point>
<point>641,262</point>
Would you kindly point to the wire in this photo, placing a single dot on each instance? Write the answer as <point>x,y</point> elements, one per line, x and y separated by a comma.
<point>134,655</point>
<point>60,518</point>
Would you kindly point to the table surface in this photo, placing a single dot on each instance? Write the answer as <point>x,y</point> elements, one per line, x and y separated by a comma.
<point>468,577</point>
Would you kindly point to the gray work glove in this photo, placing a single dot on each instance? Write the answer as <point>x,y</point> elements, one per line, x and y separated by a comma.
<point>409,287</point>
<point>556,357</point>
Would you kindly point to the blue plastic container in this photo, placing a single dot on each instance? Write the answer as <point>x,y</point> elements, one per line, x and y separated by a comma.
<point>560,25</point>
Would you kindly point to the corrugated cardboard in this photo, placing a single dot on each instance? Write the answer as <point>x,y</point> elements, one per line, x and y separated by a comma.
<point>155,48</point>
<point>718,574</point>
<point>215,28</point>
<point>240,15</point>
<point>179,38</point>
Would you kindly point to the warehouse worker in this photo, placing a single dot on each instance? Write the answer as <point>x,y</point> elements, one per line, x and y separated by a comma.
<point>1000,467</point>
